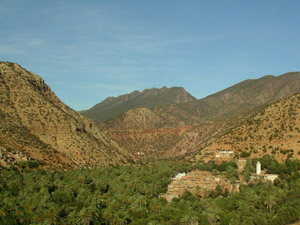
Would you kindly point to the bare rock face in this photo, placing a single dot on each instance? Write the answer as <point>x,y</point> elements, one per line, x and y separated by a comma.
<point>34,120</point>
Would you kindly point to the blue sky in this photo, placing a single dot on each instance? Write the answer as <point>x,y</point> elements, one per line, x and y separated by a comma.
<point>89,50</point>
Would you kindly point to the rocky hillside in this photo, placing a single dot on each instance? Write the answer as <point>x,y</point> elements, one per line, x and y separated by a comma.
<point>36,124</point>
<point>275,130</point>
<point>149,98</point>
<point>237,99</point>
<point>184,128</point>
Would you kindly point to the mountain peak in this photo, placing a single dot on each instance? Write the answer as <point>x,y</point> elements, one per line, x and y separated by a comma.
<point>148,98</point>
<point>185,128</point>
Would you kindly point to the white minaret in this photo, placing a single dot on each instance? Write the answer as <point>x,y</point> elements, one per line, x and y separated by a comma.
<point>258,168</point>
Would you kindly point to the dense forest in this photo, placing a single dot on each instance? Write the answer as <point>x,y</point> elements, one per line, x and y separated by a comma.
<point>129,194</point>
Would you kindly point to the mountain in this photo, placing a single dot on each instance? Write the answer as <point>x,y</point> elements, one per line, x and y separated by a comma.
<point>149,98</point>
<point>274,130</point>
<point>184,128</point>
<point>237,99</point>
<point>36,124</point>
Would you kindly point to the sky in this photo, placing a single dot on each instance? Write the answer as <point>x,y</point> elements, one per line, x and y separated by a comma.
<point>89,50</point>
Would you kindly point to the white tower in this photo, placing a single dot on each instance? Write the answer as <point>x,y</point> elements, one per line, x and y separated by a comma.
<point>258,168</point>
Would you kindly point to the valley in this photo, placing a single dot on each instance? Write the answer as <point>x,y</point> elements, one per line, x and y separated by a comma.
<point>182,161</point>
<point>254,117</point>
<point>149,112</point>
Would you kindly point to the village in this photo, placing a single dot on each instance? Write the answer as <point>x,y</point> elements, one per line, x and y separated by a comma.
<point>201,183</point>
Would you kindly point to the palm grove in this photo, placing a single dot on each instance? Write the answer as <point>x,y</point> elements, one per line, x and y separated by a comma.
<point>129,194</point>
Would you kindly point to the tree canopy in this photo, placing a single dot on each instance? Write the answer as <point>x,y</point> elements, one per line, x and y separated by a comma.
<point>129,194</point>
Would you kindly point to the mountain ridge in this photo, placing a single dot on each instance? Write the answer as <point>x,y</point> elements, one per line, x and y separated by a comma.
<point>36,123</point>
<point>148,98</point>
<point>193,123</point>
<point>30,109</point>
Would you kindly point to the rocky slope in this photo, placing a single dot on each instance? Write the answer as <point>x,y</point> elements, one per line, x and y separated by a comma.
<point>149,98</point>
<point>35,122</point>
<point>183,129</point>
<point>275,130</point>
<point>237,99</point>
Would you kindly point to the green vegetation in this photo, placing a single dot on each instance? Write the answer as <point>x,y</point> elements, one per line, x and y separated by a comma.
<point>129,195</point>
<point>245,154</point>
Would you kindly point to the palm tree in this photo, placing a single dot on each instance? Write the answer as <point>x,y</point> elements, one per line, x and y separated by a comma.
<point>108,215</point>
<point>88,214</point>
<point>118,221</point>
<point>212,217</point>
<point>50,215</point>
<point>185,220</point>
<point>154,206</point>
<point>85,216</point>
<point>212,212</point>
<point>73,218</point>
<point>270,202</point>
<point>252,197</point>
<point>141,201</point>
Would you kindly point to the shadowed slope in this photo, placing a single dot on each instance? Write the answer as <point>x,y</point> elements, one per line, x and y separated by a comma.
<point>149,98</point>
